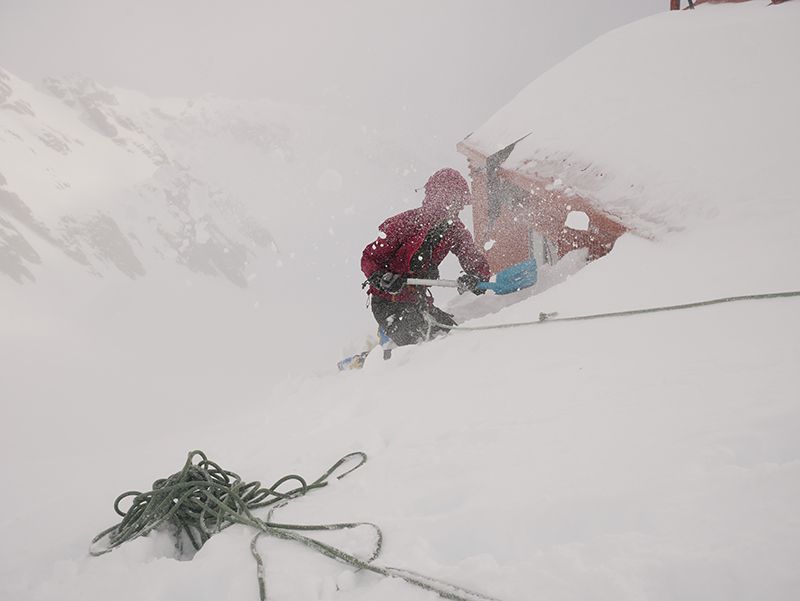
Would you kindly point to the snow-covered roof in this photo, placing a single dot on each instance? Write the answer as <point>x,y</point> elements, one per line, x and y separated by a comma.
<point>720,83</point>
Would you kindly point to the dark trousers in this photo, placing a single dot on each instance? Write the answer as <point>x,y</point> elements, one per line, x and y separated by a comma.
<point>410,323</point>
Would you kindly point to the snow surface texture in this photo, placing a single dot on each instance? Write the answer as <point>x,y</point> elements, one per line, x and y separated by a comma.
<point>651,457</point>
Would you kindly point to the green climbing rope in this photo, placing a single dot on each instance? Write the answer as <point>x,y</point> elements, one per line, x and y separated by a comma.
<point>202,499</point>
<point>549,317</point>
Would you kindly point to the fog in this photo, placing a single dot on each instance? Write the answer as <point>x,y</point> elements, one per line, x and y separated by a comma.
<point>372,58</point>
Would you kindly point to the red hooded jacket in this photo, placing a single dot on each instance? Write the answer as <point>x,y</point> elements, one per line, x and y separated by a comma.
<point>398,248</point>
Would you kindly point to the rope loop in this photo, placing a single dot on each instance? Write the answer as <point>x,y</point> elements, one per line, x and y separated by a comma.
<point>202,499</point>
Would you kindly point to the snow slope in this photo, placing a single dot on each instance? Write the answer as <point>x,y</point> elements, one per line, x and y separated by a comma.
<point>156,199</point>
<point>650,457</point>
<point>199,182</point>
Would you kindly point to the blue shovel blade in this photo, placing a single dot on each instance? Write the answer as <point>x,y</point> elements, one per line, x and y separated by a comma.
<point>519,276</point>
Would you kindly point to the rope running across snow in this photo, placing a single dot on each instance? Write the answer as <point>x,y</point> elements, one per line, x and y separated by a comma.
<point>548,317</point>
<point>202,499</point>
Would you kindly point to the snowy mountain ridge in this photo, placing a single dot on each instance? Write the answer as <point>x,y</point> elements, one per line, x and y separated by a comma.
<point>106,178</point>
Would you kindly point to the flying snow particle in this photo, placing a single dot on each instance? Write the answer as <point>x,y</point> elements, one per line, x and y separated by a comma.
<point>577,220</point>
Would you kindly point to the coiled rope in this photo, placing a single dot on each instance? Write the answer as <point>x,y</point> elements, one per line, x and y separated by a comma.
<point>548,317</point>
<point>202,499</point>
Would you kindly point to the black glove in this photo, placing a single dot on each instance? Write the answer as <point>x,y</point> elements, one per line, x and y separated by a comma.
<point>388,281</point>
<point>469,283</point>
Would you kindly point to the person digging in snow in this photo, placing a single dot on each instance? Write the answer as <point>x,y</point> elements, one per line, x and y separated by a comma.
<point>413,244</point>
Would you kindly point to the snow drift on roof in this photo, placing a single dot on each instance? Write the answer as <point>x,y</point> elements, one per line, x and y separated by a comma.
<point>719,83</point>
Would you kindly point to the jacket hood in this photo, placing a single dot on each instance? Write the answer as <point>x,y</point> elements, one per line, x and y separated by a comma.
<point>446,190</point>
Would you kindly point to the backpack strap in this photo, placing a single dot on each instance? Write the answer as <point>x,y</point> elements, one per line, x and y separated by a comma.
<point>421,261</point>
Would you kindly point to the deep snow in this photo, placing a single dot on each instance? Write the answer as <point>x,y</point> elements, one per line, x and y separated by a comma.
<point>650,457</point>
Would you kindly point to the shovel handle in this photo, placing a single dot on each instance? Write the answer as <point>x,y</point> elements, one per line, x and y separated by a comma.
<point>445,283</point>
<point>424,282</point>
<point>511,279</point>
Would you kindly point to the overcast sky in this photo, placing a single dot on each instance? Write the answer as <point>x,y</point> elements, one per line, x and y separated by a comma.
<point>373,55</point>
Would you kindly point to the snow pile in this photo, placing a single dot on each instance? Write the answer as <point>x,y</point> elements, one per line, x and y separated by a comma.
<point>653,457</point>
<point>689,117</point>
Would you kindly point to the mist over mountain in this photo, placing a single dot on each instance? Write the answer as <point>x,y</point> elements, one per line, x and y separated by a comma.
<point>112,179</point>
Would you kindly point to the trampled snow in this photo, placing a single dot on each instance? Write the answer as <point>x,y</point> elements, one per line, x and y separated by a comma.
<point>645,457</point>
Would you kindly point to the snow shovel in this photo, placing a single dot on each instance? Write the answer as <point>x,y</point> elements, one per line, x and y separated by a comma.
<point>519,276</point>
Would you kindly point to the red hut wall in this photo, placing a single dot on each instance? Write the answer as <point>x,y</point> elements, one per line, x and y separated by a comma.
<point>546,212</point>
<point>529,206</point>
